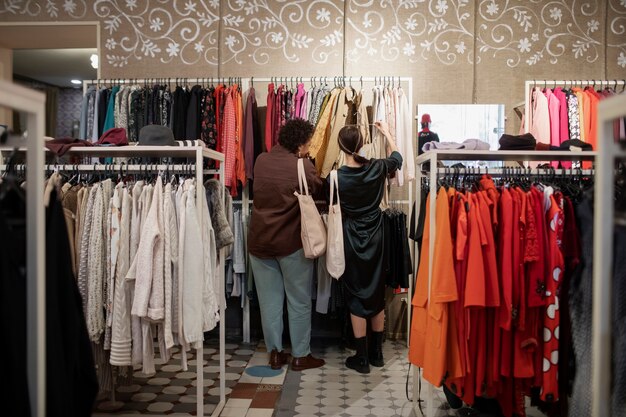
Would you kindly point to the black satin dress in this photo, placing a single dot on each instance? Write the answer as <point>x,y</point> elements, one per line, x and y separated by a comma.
<point>361,190</point>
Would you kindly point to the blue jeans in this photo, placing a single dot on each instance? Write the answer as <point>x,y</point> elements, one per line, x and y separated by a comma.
<point>275,277</point>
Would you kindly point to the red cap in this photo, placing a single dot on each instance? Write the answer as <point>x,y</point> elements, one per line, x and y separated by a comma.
<point>114,136</point>
<point>426,118</point>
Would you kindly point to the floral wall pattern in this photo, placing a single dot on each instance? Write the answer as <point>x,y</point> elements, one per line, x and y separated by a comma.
<point>514,33</point>
<point>456,50</point>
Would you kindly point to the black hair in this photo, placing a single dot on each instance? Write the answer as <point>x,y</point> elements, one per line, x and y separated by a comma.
<point>351,141</point>
<point>294,133</point>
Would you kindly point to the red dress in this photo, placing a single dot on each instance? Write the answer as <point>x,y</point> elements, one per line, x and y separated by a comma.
<point>550,389</point>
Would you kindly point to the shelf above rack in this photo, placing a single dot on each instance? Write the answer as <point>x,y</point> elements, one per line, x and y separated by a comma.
<point>464,155</point>
<point>137,151</point>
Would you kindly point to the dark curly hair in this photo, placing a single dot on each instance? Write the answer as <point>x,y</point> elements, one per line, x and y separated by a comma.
<point>294,133</point>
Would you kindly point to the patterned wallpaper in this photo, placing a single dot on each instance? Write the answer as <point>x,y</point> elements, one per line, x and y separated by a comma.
<point>514,33</point>
<point>69,106</point>
<point>455,50</point>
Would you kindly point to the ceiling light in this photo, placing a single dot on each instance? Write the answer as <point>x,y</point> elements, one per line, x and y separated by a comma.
<point>77,82</point>
<point>94,60</point>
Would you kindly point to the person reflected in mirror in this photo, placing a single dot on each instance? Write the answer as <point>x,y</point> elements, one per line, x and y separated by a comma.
<point>361,189</point>
<point>425,135</point>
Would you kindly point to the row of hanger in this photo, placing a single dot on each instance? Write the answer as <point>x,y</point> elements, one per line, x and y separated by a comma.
<point>584,83</point>
<point>168,81</point>
<point>571,180</point>
<point>100,172</point>
<point>337,81</point>
<point>292,82</point>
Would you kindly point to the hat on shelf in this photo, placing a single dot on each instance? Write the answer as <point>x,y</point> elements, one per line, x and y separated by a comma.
<point>114,136</point>
<point>426,118</point>
<point>157,135</point>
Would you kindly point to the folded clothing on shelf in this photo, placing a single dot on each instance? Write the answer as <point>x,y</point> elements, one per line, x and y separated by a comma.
<point>525,142</point>
<point>467,144</point>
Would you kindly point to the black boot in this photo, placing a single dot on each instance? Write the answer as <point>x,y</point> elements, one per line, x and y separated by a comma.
<point>376,349</point>
<point>359,361</point>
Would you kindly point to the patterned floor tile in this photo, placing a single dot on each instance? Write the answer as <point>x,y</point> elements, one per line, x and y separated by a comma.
<point>172,391</point>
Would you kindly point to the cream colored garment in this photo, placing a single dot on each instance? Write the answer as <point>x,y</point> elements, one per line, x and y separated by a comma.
<point>170,262</point>
<point>121,333</point>
<point>193,277</point>
<point>149,299</point>
<point>540,126</point>
<point>404,138</point>
<point>96,266</point>
<point>181,203</point>
<point>135,232</point>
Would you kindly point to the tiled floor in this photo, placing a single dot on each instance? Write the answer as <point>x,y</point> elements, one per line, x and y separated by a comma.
<point>254,390</point>
<point>173,391</point>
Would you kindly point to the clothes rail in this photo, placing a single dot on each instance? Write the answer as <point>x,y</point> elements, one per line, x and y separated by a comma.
<point>119,169</point>
<point>433,157</point>
<point>530,84</point>
<point>511,171</point>
<point>164,80</point>
<point>336,80</point>
<point>608,152</point>
<point>199,153</point>
<point>33,104</point>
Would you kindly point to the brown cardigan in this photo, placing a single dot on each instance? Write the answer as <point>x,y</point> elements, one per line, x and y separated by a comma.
<point>275,222</point>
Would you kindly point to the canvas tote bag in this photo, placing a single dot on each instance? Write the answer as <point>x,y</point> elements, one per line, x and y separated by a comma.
<point>312,230</point>
<point>335,256</point>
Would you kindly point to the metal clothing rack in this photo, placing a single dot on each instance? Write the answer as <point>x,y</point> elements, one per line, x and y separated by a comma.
<point>340,80</point>
<point>463,155</point>
<point>167,81</point>
<point>33,104</point>
<point>245,83</point>
<point>198,154</point>
<point>530,84</point>
<point>602,343</point>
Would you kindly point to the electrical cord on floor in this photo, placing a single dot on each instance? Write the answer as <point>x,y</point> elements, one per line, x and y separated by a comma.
<point>419,388</point>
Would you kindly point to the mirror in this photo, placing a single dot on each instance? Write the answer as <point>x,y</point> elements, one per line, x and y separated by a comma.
<point>457,122</point>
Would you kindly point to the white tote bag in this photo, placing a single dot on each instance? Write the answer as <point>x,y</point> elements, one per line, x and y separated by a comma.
<point>335,256</point>
<point>312,230</point>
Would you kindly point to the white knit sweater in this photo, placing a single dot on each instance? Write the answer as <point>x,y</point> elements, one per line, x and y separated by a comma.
<point>170,261</point>
<point>95,267</point>
<point>193,277</point>
<point>121,327</point>
<point>149,298</point>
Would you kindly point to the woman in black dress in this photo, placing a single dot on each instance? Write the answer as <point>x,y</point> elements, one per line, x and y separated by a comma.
<point>361,189</point>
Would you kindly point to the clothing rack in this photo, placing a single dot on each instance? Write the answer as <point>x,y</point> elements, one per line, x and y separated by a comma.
<point>32,103</point>
<point>167,80</point>
<point>433,157</point>
<point>530,84</point>
<point>337,80</point>
<point>245,83</point>
<point>608,152</point>
<point>199,154</point>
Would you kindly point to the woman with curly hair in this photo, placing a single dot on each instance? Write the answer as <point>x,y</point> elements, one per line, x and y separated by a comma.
<point>275,246</point>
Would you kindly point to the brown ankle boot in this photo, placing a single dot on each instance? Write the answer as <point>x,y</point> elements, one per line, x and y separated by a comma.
<point>306,362</point>
<point>278,359</point>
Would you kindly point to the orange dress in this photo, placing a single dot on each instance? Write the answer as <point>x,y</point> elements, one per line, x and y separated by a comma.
<point>429,345</point>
